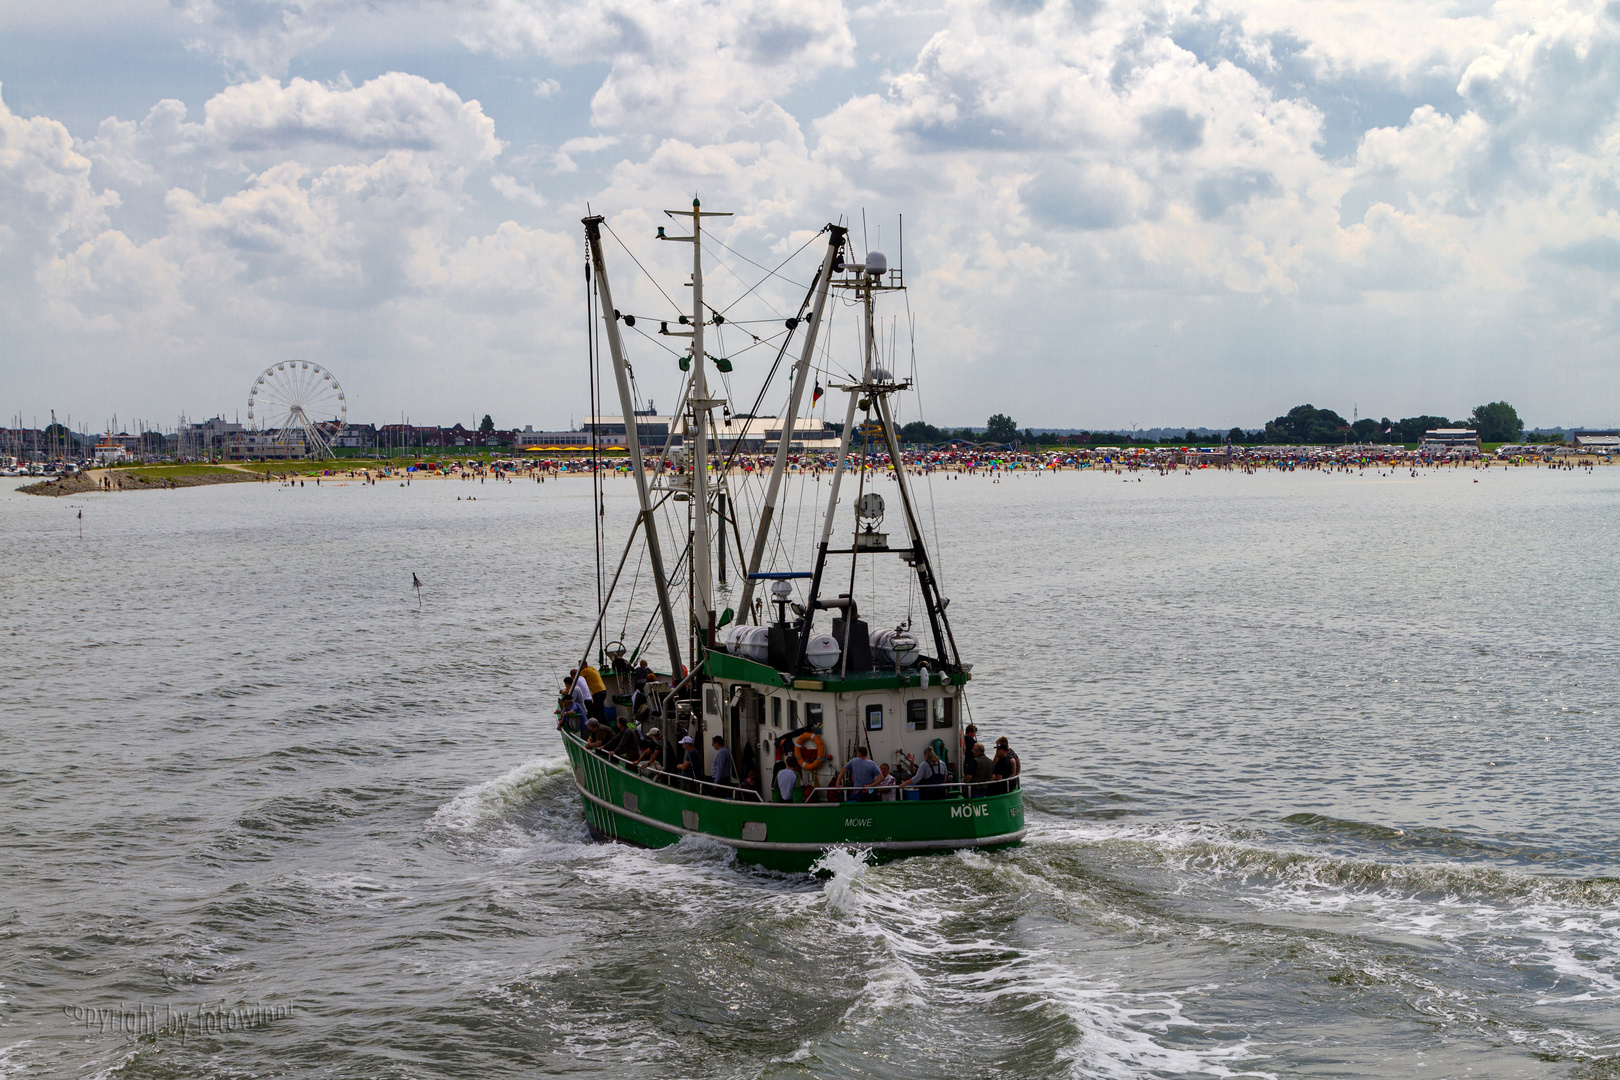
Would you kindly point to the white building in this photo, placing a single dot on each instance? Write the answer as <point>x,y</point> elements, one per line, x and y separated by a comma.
<point>1447,439</point>
<point>1599,442</point>
<point>529,439</point>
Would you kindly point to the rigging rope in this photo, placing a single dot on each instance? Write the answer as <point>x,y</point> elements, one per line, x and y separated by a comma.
<point>643,269</point>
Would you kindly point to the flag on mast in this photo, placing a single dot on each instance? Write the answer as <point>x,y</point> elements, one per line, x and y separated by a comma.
<point>815,397</point>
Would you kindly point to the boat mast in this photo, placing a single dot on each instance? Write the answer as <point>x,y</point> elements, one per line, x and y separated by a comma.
<point>632,439</point>
<point>832,507</point>
<point>801,373</point>
<point>700,403</point>
<point>876,386</point>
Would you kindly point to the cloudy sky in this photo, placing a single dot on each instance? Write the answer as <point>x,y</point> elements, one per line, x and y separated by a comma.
<point>1116,211</point>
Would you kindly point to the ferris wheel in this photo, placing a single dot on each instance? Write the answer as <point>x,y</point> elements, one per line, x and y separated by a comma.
<point>297,400</point>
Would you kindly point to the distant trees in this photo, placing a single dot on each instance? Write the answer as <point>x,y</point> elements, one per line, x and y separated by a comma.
<point>1307,424</point>
<point>1001,428</point>
<point>486,425</point>
<point>1497,422</point>
<point>920,432</point>
<point>1303,424</point>
<point>1412,428</point>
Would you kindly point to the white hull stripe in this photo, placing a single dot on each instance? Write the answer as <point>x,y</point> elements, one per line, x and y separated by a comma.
<point>765,845</point>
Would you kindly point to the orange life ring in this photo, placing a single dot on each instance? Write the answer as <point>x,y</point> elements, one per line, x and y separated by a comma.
<point>806,742</point>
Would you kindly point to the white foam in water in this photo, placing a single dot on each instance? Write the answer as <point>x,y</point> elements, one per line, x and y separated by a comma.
<point>846,867</point>
<point>1484,914</point>
<point>494,799</point>
<point>1117,1029</point>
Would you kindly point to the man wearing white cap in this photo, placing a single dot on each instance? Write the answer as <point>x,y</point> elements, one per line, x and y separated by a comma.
<point>691,766</point>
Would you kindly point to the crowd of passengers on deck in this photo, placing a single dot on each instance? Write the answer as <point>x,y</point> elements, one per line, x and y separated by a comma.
<point>629,738</point>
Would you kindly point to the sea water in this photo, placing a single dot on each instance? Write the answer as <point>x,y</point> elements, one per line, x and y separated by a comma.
<point>1320,769</point>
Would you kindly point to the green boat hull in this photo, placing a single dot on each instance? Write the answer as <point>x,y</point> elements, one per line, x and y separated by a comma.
<point>624,806</point>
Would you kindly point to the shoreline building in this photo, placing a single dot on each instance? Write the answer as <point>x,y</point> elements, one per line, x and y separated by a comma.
<point>651,429</point>
<point>739,432</point>
<point>530,440</point>
<point>1604,441</point>
<point>209,439</point>
<point>1447,440</point>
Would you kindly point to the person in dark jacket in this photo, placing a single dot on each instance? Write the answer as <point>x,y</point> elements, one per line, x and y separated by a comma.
<point>979,767</point>
<point>1001,770</point>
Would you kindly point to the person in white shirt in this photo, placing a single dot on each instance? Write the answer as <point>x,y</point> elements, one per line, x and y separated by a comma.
<point>578,690</point>
<point>883,786</point>
<point>787,781</point>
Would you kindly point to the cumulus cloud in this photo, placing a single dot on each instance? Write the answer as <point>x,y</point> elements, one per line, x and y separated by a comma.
<point>510,188</point>
<point>393,112</point>
<point>679,67</point>
<point>46,197</point>
<point>348,200</point>
<point>259,37</point>
<point>1178,173</point>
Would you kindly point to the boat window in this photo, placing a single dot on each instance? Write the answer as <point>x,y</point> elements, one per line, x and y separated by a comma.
<point>944,712</point>
<point>812,715</point>
<point>776,712</point>
<point>874,718</point>
<point>793,714</point>
<point>917,714</point>
<point>711,700</point>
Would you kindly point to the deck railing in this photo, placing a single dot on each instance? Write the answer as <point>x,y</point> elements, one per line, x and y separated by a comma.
<point>949,789</point>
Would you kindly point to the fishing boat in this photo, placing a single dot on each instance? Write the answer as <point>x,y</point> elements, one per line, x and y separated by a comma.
<point>807,683</point>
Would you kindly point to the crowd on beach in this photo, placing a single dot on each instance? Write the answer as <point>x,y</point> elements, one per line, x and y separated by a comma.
<point>801,771</point>
<point>994,462</point>
<point>974,460</point>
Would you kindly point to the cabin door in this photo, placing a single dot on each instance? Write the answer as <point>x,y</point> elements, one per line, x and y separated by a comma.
<point>877,726</point>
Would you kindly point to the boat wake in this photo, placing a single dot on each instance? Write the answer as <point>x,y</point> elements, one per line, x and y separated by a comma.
<point>940,964</point>
<point>496,816</point>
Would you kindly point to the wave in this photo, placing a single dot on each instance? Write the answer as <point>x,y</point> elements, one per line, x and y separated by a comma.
<point>1556,939</point>
<point>1226,851</point>
<point>933,961</point>
<point>481,804</point>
